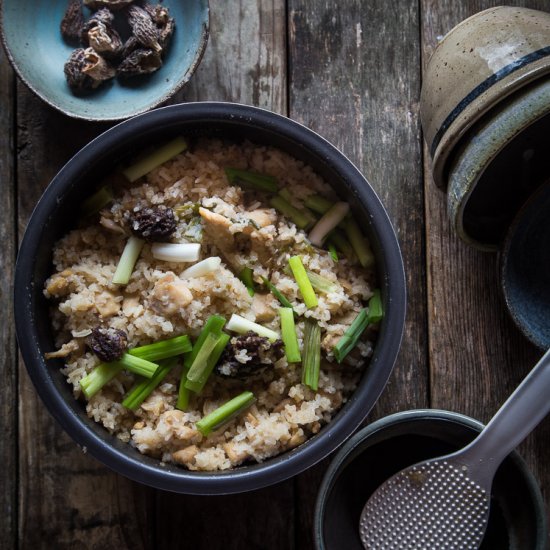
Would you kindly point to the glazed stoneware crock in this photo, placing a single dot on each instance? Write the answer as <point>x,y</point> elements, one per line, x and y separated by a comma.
<point>55,213</point>
<point>517,518</point>
<point>476,65</point>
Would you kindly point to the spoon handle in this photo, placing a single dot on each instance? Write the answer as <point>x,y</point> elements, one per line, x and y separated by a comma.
<point>517,417</point>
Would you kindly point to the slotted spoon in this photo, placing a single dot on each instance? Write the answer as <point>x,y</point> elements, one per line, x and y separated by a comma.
<point>443,503</point>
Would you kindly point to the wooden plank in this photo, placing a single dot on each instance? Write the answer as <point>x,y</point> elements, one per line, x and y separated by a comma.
<point>477,357</point>
<point>66,498</point>
<point>354,75</point>
<point>8,353</point>
<point>245,62</point>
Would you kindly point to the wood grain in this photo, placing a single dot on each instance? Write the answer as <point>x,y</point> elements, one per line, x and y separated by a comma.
<point>66,498</point>
<point>8,353</point>
<point>477,356</point>
<point>354,73</point>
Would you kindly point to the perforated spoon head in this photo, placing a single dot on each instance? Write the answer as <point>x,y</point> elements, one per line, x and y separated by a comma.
<point>433,505</point>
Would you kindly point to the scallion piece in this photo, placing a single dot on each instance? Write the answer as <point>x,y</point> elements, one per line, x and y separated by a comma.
<point>332,252</point>
<point>286,194</point>
<point>100,376</point>
<point>304,284</point>
<point>277,293</point>
<point>320,283</point>
<point>328,222</point>
<point>252,180</point>
<point>176,252</point>
<point>138,365</point>
<point>127,261</point>
<point>358,242</point>
<point>94,203</point>
<point>288,331</point>
<point>213,358</point>
<point>318,204</point>
<point>204,267</point>
<point>155,159</point>
<point>366,316</point>
<point>311,364</point>
<point>291,212</point>
<point>141,391</point>
<point>246,277</point>
<point>222,415</point>
<point>183,392</point>
<point>339,240</point>
<point>199,364</point>
<point>163,349</point>
<point>242,326</point>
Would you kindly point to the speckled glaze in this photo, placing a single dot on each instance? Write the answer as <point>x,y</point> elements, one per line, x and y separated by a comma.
<point>518,518</point>
<point>37,52</point>
<point>505,125</point>
<point>525,268</point>
<point>477,64</point>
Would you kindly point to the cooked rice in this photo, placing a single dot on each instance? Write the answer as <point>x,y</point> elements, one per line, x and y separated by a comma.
<point>286,412</point>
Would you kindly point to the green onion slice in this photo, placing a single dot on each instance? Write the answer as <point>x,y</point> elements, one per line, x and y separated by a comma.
<point>242,326</point>
<point>318,204</point>
<point>252,180</point>
<point>359,243</point>
<point>102,197</point>
<point>128,261</point>
<point>199,364</point>
<point>100,376</point>
<point>291,212</point>
<point>222,415</point>
<point>304,284</point>
<point>277,293</point>
<point>367,316</point>
<point>246,277</point>
<point>290,340</point>
<point>155,159</point>
<point>141,391</point>
<point>311,364</point>
<point>332,252</point>
<point>138,365</point>
<point>163,348</point>
<point>328,222</point>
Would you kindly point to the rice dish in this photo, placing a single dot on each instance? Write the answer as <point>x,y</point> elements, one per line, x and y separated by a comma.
<point>239,226</point>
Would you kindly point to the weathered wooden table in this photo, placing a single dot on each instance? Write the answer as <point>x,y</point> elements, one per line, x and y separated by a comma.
<point>352,71</point>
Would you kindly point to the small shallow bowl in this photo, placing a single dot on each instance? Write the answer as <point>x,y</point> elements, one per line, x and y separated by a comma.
<point>37,52</point>
<point>501,160</point>
<point>517,519</point>
<point>525,268</point>
<point>55,214</point>
<point>477,64</point>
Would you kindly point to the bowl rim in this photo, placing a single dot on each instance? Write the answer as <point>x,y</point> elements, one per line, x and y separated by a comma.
<point>280,467</point>
<point>205,33</point>
<point>404,417</point>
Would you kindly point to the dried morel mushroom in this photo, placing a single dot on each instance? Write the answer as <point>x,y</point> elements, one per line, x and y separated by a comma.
<point>164,23</point>
<point>111,4</point>
<point>72,22</point>
<point>155,223</point>
<point>260,353</point>
<point>143,28</point>
<point>104,40</point>
<point>76,78</point>
<point>140,62</point>
<point>108,343</point>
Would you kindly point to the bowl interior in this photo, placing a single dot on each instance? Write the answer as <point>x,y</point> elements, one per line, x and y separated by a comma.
<point>516,520</point>
<point>525,268</point>
<point>38,52</point>
<point>55,214</point>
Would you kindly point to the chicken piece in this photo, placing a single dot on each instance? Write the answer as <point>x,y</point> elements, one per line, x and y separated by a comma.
<point>64,351</point>
<point>262,309</point>
<point>262,217</point>
<point>109,224</point>
<point>217,227</point>
<point>185,456</point>
<point>170,294</point>
<point>297,439</point>
<point>106,304</point>
<point>130,305</point>
<point>58,285</point>
<point>234,454</point>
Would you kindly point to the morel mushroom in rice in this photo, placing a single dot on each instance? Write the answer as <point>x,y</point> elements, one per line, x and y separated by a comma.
<point>110,50</point>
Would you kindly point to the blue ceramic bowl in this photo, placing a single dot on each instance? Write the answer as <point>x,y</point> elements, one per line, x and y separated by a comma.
<point>517,518</point>
<point>37,52</point>
<point>525,268</point>
<point>55,214</point>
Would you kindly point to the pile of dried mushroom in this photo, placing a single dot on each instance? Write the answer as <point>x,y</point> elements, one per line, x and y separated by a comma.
<point>106,51</point>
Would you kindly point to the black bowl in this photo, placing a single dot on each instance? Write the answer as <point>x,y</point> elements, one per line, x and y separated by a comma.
<point>517,519</point>
<point>55,214</point>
